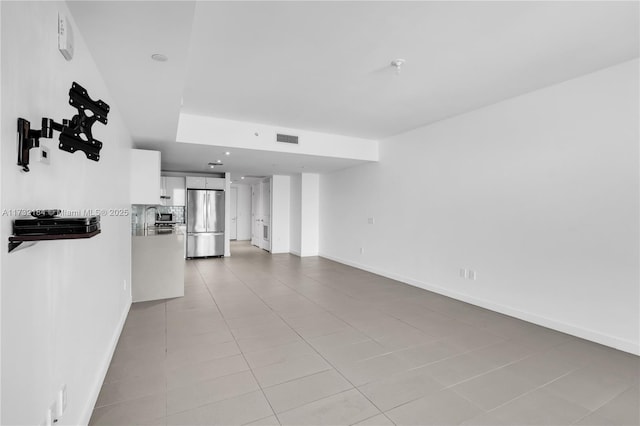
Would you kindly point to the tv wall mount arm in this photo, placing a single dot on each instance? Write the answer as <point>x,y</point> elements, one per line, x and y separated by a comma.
<point>75,134</point>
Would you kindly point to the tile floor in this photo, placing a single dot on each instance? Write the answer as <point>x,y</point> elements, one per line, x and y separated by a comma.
<point>268,340</point>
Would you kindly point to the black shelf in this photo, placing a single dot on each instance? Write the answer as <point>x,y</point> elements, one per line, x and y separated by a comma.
<point>16,240</point>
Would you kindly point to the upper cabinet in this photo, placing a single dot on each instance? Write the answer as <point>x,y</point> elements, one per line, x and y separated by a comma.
<point>172,191</point>
<point>145,177</point>
<point>197,182</point>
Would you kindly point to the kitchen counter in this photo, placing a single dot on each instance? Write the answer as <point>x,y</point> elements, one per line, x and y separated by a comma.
<point>157,263</point>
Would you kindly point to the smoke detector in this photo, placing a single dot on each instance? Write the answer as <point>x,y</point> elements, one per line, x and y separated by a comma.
<point>397,64</point>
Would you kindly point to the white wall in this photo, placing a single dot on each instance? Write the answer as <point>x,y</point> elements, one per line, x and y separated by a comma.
<point>227,214</point>
<point>304,214</point>
<point>63,302</point>
<point>295,215</point>
<point>244,212</point>
<point>1,204</point>
<point>280,210</point>
<point>309,214</point>
<point>538,194</point>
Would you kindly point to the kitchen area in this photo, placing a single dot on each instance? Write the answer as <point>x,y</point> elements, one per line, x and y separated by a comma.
<point>174,217</point>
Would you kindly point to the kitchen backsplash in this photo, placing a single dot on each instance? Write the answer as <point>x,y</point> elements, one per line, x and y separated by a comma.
<point>138,213</point>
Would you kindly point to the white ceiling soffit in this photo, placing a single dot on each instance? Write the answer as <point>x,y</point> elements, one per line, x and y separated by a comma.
<point>325,66</point>
<point>122,36</point>
<point>186,157</point>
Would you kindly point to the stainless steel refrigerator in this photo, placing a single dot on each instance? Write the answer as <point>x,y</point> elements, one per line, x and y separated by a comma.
<point>205,223</point>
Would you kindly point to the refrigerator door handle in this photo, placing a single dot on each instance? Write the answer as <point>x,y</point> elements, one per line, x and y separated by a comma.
<point>206,211</point>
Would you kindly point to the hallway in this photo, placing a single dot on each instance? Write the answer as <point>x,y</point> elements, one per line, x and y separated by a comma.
<point>277,339</point>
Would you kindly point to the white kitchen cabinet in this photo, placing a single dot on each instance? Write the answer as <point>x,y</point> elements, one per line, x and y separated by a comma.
<point>145,177</point>
<point>157,265</point>
<point>173,191</point>
<point>215,183</point>
<point>197,182</point>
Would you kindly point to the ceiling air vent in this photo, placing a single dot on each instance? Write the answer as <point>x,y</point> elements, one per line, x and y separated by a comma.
<point>287,138</point>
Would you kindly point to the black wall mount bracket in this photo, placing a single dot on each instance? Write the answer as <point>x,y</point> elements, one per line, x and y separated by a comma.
<point>27,139</point>
<point>75,134</point>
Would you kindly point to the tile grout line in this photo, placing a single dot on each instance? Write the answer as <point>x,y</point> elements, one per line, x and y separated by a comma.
<point>528,392</point>
<point>332,313</point>
<point>507,339</point>
<point>236,341</point>
<point>603,404</point>
<point>310,345</point>
<point>449,387</point>
<point>390,315</point>
<point>303,339</point>
<point>284,320</point>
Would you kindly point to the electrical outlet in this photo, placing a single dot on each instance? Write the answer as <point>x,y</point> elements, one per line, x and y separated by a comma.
<point>371,220</point>
<point>361,250</point>
<point>43,155</point>
<point>468,274</point>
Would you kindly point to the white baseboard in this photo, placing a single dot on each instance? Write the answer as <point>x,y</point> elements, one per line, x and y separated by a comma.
<point>104,367</point>
<point>300,254</point>
<point>594,336</point>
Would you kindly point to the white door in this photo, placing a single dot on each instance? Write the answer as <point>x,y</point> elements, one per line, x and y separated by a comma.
<point>256,228</point>
<point>233,232</point>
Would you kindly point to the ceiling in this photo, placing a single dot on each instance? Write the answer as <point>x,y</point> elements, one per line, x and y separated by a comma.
<point>325,66</point>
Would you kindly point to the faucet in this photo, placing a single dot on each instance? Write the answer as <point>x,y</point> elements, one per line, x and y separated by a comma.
<point>146,210</point>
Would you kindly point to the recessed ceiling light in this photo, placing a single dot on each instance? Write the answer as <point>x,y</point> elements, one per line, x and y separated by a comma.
<point>242,177</point>
<point>219,161</point>
<point>211,165</point>
<point>159,57</point>
<point>227,153</point>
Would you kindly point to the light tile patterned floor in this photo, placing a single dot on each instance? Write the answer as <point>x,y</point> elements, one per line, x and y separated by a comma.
<point>267,340</point>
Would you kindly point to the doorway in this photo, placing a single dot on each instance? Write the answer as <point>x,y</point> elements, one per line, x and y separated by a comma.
<point>261,215</point>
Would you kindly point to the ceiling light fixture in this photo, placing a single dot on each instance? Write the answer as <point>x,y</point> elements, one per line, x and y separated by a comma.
<point>211,165</point>
<point>159,57</point>
<point>241,177</point>
<point>227,153</point>
<point>397,64</point>
<point>219,161</point>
